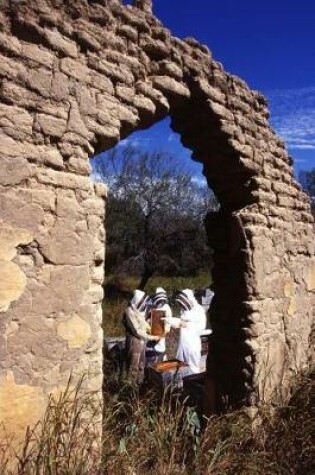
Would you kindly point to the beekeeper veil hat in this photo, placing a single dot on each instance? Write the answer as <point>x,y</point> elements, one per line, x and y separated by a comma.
<point>186,299</point>
<point>160,297</point>
<point>139,300</point>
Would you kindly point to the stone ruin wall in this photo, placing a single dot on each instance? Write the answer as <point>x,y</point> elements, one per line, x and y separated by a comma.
<point>76,77</point>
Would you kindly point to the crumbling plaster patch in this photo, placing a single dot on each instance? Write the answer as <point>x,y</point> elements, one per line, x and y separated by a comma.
<point>20,406</point>
<point>10,238</point>
<point>310,277</point>
<point>12,279</point>
<point>12,284</point>
<point>75,331</point>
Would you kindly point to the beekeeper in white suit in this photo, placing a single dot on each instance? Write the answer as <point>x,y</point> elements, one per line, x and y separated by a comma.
<point>159,301</point>
<point>191,322</point>
<point>137,334</point>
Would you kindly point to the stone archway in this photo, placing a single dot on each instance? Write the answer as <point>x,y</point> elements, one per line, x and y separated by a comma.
<point>77,78</point>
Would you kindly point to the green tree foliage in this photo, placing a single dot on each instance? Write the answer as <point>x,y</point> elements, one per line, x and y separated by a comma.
<point>155,214</point>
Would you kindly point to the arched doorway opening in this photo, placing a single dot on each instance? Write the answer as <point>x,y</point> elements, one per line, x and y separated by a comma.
<point>155,235</point>
<point>201,130</point>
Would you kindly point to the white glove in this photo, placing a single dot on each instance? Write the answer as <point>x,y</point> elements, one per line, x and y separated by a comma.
<point>167,320</point>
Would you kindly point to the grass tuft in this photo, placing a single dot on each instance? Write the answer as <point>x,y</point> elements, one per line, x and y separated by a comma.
<point>147,433</point>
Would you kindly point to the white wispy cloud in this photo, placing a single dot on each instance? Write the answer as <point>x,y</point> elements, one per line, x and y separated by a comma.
<point>293,116</point>
<point>300,160</point>
<point>134,142</point>
<point>171,137</point>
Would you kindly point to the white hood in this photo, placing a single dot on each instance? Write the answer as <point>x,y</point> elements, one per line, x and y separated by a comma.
<point>186,299</point>
<point>139,300</point>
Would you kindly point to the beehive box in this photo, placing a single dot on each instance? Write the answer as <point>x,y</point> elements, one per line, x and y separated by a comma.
<point>170,372</point>
<point>157,324</point>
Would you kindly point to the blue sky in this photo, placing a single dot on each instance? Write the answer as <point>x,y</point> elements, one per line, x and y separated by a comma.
<point>271,45</point>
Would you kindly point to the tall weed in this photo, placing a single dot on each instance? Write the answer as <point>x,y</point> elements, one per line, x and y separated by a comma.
<point>144,432</point>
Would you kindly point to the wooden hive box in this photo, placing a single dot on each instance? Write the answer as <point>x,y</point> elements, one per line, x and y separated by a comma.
<point>157,324</point>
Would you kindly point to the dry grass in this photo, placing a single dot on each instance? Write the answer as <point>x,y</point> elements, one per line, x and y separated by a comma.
<point>144,433</point>
<point>66,441</point>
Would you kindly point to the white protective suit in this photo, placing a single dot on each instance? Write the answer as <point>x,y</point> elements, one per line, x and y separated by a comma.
<point>159,301</point>
<point>160,345</point>
<point>136,335</point>
<point>191,322</point>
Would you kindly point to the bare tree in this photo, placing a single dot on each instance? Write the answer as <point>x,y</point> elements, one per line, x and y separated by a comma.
<point>307,180</point>
<point>155,214</point>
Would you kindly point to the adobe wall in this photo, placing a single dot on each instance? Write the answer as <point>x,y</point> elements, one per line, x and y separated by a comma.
<point>76,77</point>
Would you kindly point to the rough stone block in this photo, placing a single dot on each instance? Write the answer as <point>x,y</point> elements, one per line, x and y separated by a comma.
<point>37,54</point>
<point>154,95</point>
<point>59,43</point>
<point>94,295</point>
<point>94,207</point>
<point>10,44</point>
<point>86,99</point>
<point>123,113</point>
<point>53,159</point>
<point>76,123</point>
<point>211,92</point>
<point>128,31</point>
<point>10,68</point>
<point>127,94</point>
<point>75,69</point>
<point>221,111</point>
<point>87,41</point>
<point>101,190</point>
<point>15,119</point>
<point>79,165</point>
<point>64,180</point>
<point>134,18</point>
<point>116,72</point>
<point>14,171</point>
<point>101,83</point>
<point>237,104</point>
<point>64,246</point>
<point>98,275</point>
<point>50,125</point>
<point>144,105</point>
<point>155,49</point>
<point>14,210</point>
<point>38,81</point>
<point>243,150</point>
<point>169,68</point>
<point>106,134</point>
<point>192,65</point>
<point>170,86</point>
<point>60,86</point>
